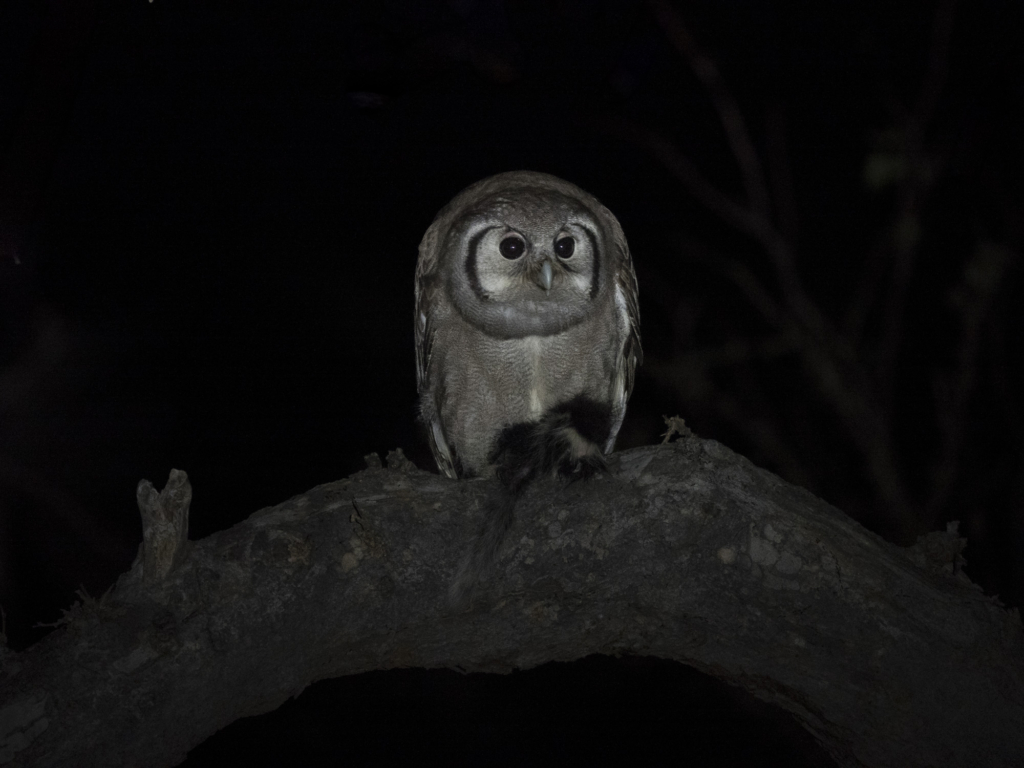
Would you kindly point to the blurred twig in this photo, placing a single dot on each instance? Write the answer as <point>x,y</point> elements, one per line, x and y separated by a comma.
<point>915,172</point>
<point>983,274</point>
<point>853,378</point>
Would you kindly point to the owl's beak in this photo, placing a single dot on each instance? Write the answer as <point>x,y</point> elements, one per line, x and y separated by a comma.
<point>543,275</point>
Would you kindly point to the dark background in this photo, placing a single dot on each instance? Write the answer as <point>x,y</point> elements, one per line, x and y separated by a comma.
<point>209,215</point>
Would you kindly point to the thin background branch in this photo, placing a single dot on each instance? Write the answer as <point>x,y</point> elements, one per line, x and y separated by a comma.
<point>851,370</point>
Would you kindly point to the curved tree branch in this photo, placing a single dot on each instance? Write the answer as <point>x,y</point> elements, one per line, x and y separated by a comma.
<point>890,657</point>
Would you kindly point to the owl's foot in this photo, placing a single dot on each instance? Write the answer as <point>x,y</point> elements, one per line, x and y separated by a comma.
<point>582,467</point>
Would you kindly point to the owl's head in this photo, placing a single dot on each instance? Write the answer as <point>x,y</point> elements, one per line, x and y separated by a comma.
<point>523,254</point>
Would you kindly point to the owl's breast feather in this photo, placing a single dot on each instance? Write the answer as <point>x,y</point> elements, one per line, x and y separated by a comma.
<point>523,319</point>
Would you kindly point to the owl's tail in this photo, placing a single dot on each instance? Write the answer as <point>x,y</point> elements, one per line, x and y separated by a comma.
<point>483,552</point>
<point>566,442</point>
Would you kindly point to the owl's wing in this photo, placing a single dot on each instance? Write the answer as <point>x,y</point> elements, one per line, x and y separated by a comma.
<point>427,296</point>
<point>627,308</point>
<point>426,301</point>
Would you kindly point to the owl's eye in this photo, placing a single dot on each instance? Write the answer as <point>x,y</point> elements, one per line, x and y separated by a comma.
<point>564,247</point>
<point>512,247</point>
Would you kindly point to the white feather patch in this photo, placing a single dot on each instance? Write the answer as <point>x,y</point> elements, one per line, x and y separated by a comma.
<point>533,346</point>
<point>619,382</point>
<point>495,284</point>
<point>581,282</point>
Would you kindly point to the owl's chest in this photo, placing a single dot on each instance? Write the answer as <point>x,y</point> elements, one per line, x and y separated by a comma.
<point>525,377</point>
<point>539,358</point>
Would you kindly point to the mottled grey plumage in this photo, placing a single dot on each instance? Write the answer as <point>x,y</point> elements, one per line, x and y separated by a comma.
<point>527,330</point>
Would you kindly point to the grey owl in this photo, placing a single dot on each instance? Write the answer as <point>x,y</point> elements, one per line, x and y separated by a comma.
<point>527,334</point>
<point>526,314</point>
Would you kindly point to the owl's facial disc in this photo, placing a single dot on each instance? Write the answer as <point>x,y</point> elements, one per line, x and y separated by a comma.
<point>527,272</point>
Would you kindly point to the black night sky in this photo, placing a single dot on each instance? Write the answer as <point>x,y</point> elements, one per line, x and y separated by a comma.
<point>209,215</point>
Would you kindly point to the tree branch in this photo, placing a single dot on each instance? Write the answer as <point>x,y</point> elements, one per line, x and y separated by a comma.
<point>706,70</point>
<point>683,551</point>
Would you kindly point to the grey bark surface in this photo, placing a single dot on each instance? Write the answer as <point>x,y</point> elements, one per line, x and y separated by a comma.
<point>888,656</point>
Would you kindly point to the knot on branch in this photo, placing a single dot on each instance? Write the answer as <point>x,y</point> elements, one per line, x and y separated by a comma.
<point>396,460</point>
<point>940,550</point>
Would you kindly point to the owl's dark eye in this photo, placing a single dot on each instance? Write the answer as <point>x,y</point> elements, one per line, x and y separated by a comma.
<point>564,247</point>
<point>512,247</point>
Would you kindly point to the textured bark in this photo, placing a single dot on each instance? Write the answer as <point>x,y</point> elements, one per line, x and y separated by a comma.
<point>890,657</point>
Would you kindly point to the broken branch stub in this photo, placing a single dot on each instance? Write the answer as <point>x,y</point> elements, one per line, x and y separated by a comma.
<point>164,524</point>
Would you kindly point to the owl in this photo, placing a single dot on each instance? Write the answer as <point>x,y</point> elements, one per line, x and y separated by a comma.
<point>527,330</point>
